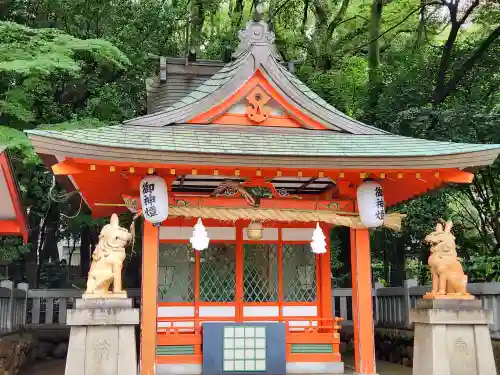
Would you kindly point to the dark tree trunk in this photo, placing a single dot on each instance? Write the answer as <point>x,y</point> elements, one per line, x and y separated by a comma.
<point>343,235</point>
<point>85,251</point>
<point>424,258</point>
<point>374,74</point>
<point>444,64</point>
<point>49,248</point>
<point>237,14</point>
<point>197,21</point>
<point>444,90</point>
<point>94,237</point>
<point>386,258</point>
<point>398,273</point>
<point>31,257</point>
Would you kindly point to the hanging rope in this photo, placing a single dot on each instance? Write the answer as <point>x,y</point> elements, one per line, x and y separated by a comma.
<point>392,221</point>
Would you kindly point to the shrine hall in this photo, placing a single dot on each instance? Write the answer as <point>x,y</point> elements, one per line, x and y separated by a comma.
<point>260,163</point>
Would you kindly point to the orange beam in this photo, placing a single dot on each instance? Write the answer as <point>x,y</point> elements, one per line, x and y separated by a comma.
<point>265,203</point>
<point>239,271</point>
<point>313,357</point>
<point>281,294</point>
<point>364,345</point>
<point>311,338</point>
<point>283,203</point>
<point>9,228</point>
<point>456,176</point>
<point>104,166</point>
<point>270,203</point>
<point>163,169</point>
<point>15,196</point>
<point>182,339</point>
<point>325,277</point>
<point>149,307</point>
<point>68,167</point>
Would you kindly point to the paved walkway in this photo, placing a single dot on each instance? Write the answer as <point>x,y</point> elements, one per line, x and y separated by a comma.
<point>56,367</point>
<point>383,368</point>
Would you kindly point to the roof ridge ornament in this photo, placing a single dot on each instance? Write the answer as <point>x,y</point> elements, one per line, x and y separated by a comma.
<point>258,11</point>
<point>257,34</point>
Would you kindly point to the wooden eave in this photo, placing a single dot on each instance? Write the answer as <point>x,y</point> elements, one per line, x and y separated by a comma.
<point>89,167</point>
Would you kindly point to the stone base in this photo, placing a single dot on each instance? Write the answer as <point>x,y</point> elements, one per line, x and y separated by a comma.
<point>110,295</point>
<point>315,368</point>
<point>291,368</point>
<point>178,369</point>
<point>102,338</point>
<point>452,337</point>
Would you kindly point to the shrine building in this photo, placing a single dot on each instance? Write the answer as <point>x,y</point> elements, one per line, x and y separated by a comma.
<point>267,166</point>
<point>13,220</point>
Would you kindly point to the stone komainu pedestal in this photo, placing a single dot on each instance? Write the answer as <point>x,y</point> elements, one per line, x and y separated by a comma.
<point>102,338</point>
<point>452,337</point>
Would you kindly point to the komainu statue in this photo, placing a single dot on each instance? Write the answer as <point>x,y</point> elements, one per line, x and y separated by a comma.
<point>448,278</point>
<point>107,262</point>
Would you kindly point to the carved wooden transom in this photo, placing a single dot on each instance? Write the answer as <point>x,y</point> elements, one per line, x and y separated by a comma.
<point>256,108</point>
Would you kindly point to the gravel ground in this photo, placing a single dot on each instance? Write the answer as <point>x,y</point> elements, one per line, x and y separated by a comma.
<point>47,367</point>
<point>383,368</point>
<point>56,367</point>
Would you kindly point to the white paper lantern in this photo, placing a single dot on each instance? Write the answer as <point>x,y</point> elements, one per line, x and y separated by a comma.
<point>200,239</point>
<point>371,204</point>
<point>318,244</point>
<point>154,199</point>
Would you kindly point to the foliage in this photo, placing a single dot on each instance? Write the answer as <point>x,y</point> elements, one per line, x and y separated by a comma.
<point>40,68</point>
<point>417,270</point>
<point>336,264</point>
<point>481,268</point>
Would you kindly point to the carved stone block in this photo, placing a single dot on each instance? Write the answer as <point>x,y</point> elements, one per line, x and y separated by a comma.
<point>452,338</point>
<point>102,338</point>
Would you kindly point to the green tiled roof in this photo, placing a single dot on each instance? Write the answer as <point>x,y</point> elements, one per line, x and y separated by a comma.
<point>301,87</point>
<point>246,140</point>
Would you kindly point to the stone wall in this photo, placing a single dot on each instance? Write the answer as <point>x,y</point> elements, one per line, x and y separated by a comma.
<point>51,343</point>
<point>17,351</point>
<point>396,345</point>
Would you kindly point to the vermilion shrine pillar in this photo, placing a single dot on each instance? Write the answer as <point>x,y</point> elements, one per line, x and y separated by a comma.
<point>149,290</point>
<point>326,279</point>
<point>362,309</point>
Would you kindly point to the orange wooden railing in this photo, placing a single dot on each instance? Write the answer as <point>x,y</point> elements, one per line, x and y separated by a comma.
<point>311,324</point>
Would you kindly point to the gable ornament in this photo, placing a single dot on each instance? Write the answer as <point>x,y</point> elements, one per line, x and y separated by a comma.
<point>256,108</point>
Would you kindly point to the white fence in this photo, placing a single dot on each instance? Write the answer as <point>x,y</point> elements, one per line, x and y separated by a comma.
<point>391,305</point>
<point>47,307</point>
<point>13,306</point>
<point>34,308</point>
